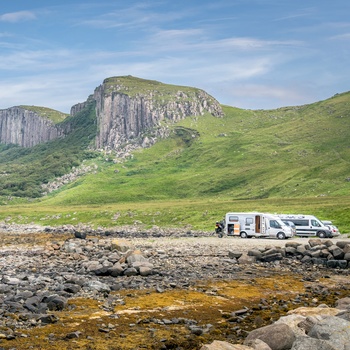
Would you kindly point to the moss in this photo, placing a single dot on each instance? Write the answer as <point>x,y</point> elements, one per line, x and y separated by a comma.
<point>134,324</point>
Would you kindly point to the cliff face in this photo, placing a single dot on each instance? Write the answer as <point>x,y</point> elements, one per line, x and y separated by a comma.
<point>128,109</point>
<point>125,111</point>
<point>26,128</point>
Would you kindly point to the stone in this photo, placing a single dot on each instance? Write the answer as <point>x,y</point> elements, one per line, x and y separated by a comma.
<point>234,254</point>
<point>222,345</point>
<point>307,343</point>
<point>336,252</point>
<point>116,270</point>
<point>56,302</point>
<point>293,322</point>
<point>98,286</point>
<point>343,303</point>
<point>333,329</point>
<point>80,235</point>
<point>277,336</point>
<point>130,271</point>
<point>71,288</point>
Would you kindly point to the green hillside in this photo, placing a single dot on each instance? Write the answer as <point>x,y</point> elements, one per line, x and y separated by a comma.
<point>295,159</point>
<point>23,170</point>
<point>289,152</point>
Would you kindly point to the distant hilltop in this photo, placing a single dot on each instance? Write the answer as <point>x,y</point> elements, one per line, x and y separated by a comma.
<point>126,109</point>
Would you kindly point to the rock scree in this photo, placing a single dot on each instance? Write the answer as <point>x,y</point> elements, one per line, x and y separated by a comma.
<point>38,281</point>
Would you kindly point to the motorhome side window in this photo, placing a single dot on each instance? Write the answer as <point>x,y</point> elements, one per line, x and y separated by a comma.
<point>274,224</point>
<point>248,221</point>
<point>315,223</point>
<point>233,218</point>
<point>300,222</point>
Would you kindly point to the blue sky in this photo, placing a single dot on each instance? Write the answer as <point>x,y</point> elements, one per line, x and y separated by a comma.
<point>251,54</point>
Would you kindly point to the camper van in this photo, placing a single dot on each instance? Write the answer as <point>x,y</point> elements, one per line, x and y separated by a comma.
<point>308,225</point>
<point>248,225</point>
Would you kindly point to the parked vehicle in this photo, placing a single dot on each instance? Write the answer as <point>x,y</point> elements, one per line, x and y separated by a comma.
<point>291,225</point>
<point>334,229</point>
<point>248,225</point>
<point>308,225</point>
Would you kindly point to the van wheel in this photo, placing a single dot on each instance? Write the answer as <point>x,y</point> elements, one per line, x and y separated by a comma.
<point>244,235</point>
<point>321,234</point>
<point>281,235</point>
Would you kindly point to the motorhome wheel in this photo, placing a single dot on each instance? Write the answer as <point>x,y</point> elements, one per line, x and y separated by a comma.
<point>244,235</point>
<point>281,235</point>
<point>321,234</point>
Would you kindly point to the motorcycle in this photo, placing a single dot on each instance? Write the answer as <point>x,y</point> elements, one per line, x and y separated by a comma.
<point>219,229</point>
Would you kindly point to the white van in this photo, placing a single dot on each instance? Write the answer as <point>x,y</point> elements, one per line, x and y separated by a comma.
<point>308,225</point>
<point>248,225</point>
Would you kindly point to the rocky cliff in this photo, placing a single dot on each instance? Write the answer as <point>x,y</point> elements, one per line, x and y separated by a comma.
<point>26,128</point>
<point>127,108</point>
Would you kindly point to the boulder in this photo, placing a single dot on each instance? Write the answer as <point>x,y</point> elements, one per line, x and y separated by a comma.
<point>278,336</point>
<point>343,303</point>
<point>222,345</point>
<point>333,329</point>
<point>307,343</point>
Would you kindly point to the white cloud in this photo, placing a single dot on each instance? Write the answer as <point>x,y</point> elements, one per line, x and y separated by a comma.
<point>345,36</point>
<point>19,16</point>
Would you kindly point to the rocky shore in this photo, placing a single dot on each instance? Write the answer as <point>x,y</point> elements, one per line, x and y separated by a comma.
<point>39,280</point>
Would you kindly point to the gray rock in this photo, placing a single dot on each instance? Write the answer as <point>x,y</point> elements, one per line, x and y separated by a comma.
<point>145,271</point>
<point>98,286</point>
<point>337,252</point>
<point>314,242</point>
<point>130,271</point>
<point>333,329</point>
<point>277,336</point>
<point>222,345</point>
<point>307,343</point>
<point>56,302</point>
<point>71,288</point>
<point>258,344</point>
<point>116,270</point>
<point>343,303</point>
<point>234,254</point>
<point>293,321</point>
<point>80,235</point>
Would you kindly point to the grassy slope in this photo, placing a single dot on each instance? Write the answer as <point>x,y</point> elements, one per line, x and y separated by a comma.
<point>22,170</point>
<point>53,115</point>
<point>247,160</point>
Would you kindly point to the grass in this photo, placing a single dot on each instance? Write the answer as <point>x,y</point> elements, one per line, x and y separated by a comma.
<point>185,214</point>
<point>53,115</point>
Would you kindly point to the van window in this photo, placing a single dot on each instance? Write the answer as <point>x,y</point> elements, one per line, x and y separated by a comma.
<point>300,222</point>
<point>233,218</point>
<point>315,223</point>
<point>248,221</point>
<point>274,224</point>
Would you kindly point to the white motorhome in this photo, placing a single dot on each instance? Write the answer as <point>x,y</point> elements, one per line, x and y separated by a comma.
<point>308,225</point>
<point>248,225</point>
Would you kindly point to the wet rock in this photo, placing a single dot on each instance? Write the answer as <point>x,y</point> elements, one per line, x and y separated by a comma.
<point>56,302</point>
<point>48,319</point>
<point>80,235</point>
